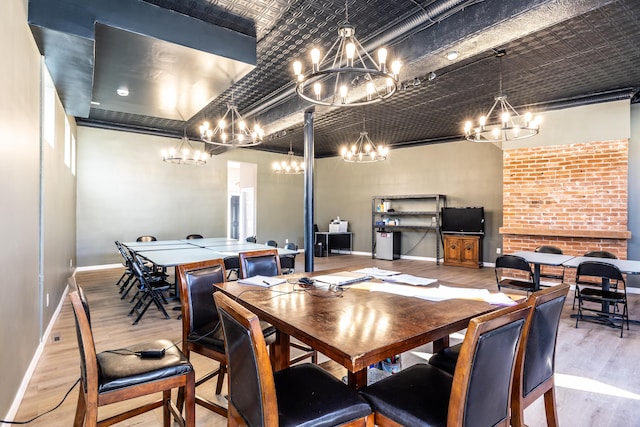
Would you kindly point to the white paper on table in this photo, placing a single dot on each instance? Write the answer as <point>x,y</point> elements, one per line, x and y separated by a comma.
<point>376,272</point>
<point>341,278</point>
<point>409,280</point>
<point>264,281</point>
<point>499,299</point>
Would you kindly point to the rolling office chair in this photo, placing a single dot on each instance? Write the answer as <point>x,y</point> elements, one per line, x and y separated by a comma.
<point>288,262</point>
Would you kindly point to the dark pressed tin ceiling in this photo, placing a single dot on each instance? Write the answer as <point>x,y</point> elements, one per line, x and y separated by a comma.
<point>559,53</point>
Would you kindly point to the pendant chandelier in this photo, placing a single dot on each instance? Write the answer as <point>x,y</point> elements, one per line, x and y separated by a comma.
<point>232,130</point>
<point>184,153</point>
<point>507,124</point>
<point>289,166</point>
<point>364,150</point>
<point>352,78</point>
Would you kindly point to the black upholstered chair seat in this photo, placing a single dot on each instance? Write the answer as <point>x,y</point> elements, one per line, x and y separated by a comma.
<point>418,395</point>
<point>121,368</point>
<point>307,396</point>
<point>446,359</point>
<point>215,340</point>
<point>516,284</point>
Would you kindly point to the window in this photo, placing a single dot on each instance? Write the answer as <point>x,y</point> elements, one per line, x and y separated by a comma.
<point>48,106</point>
<point>67,142</point>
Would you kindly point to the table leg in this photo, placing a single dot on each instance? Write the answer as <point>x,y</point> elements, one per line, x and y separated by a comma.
<point>440,344</point>
<point>357,380</point>
<point>280,352</point>
<point>536,276</point>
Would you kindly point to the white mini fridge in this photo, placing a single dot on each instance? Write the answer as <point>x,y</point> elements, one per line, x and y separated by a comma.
<point>387,245</point>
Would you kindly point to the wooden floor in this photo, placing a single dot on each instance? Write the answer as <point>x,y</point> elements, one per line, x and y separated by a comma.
<point>598,373</point>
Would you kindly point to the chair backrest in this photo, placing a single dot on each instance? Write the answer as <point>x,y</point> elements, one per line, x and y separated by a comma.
<point>126,256</point>
<point>252,393</point>
<point>547,249</point>
<point>536,358</point>
<point>512,262</point>
<point>86,346</point>
<point>487,362</point>
<point>291,246</point>
<point>264,262</point>
<point>194,236</point>
<point>597,269</point>
<point>251,239</point>
<point>146,239</point>
<point>196,289</point>
<point>601,254</point>
<point>272,243</point>
<point>232,263</point>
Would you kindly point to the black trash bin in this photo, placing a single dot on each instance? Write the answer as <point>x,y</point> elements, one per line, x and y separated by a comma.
<point>319,249</point>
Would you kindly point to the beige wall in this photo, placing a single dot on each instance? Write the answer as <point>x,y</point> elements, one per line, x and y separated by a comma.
<point>34,259</point>
<point>468,174</point>
<point>125,190</point>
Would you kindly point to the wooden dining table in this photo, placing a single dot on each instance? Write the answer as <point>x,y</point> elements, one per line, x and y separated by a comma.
<point>354,327</point>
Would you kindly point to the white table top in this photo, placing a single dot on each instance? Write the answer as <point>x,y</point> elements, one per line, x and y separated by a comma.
<point>625,266</point>
<point>161,247</point>
<point>544,258</point>
<point>173,257</point>
<point>155,242</point>
<point>211,241</point>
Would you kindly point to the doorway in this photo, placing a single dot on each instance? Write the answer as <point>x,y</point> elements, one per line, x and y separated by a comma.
<point>241,199</point>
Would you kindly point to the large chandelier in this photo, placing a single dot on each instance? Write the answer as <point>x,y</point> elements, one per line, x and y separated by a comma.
<point>364,150</point>
<point>507,125</point>
<point>232,130</point>
<point>184,153</point>
<point>289,166</point>
<point>352,78</point>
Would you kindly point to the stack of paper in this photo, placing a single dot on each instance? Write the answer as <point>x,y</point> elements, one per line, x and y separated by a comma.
<point>264,281</point>
<point>409,279</point>
<point>442,293</point>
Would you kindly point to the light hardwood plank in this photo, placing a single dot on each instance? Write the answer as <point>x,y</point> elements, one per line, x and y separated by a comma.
<point>591,354</point>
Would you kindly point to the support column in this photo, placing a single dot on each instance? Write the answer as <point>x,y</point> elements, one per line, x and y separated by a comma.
<point>309,236</point>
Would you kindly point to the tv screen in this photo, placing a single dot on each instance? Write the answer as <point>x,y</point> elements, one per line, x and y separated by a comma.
<point>463,220</point>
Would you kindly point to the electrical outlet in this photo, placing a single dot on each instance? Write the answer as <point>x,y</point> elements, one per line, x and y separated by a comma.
<point>498,251</point>
<point>47,299</point>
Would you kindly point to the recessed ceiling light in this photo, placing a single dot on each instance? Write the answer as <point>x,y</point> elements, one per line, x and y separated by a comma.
<point>452,55</point>
<point>123,91</point>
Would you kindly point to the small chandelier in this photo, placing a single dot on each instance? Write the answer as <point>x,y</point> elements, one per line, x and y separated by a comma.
<point>237,135</point>
<point>508,125</point>
<point>289,166</point>
<point>184,154</point>
<point>353,77</point>
<point>364,150</point>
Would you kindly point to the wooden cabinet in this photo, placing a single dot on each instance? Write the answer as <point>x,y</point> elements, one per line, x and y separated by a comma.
<point>463,250</point>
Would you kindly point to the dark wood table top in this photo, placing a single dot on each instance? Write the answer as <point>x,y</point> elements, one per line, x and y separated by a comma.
<point>355,327</point>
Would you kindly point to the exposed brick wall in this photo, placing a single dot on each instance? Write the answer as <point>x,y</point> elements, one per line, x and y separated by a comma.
<point>566,187</point>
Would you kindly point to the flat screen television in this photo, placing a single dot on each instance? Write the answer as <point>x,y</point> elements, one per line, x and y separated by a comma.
<point>463,220</point>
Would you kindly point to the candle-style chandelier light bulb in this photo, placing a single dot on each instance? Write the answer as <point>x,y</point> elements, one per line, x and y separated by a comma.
<point>342,81</point>
<point>184,153</point>
<point>507,125</point>
<point>238,133</point>
<point>289,166</point>
<point>364,150</point>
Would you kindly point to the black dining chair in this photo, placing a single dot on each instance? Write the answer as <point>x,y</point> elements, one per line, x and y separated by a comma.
<point>477,394</point>
<point>251,239</point>
<point>232,265</point>
<point>272,243</point>
<point>601,254</point>
<point>535,362</point>
<point>288,261</point>
<point>547,272</point>
<point>194,236</point>
<point>122,374</point>
<point>301,395</point>
<point>509,268</point>
<point>596,282</point>
<point>146,239</point>
<point>605,300</point>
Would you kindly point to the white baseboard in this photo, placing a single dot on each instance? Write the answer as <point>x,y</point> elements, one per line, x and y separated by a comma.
<point>98,267</point>
<point>13,410</point>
